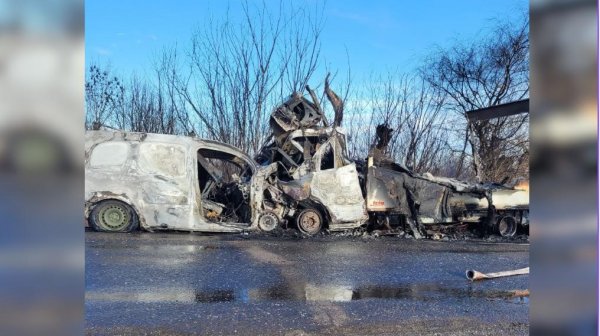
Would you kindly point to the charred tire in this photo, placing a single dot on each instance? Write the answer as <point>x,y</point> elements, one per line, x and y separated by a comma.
<point>113,216</point>
<point>507,226</point>
<point>309,221</point>
<point>268,222</point>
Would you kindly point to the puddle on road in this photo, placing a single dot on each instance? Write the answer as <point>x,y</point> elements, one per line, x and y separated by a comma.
<point>156,248</point>
<point>307,292</point>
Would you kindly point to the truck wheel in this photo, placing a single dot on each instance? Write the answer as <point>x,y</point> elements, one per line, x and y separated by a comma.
<point>309,221</point>
<point>113,216</point>
<point>268,222</point>
<point>507,226</point>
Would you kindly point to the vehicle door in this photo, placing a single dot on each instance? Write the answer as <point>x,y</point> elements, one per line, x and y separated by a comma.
<point>164,184</point>
<point>335,184</point>
<point>222,186</point>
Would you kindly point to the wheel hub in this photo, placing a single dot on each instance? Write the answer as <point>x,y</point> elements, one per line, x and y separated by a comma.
<point>114,217</point>
<point>268,222</point>
<point>310,222</point>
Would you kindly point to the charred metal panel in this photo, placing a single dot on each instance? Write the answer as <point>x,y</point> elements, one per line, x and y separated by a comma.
<point>498,111</point>
<point>386,191</point>
<point>501,198</point>
<point>298,190</point>
<point>432,202</point>
<point>339,191</point>
<point>297,112</point>
<point>162,159</point>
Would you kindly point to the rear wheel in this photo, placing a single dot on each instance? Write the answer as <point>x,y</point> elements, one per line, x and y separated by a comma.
<point>309,222</point>
<point>113,216</point>
<point>507,226</point>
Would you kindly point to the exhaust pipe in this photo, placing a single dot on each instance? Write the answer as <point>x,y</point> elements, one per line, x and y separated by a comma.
<point>475,275</point>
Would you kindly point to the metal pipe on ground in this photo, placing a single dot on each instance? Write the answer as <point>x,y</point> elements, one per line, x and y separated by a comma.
<point>475,275</point>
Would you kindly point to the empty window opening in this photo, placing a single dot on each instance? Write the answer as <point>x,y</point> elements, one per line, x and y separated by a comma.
<point>222,178</point>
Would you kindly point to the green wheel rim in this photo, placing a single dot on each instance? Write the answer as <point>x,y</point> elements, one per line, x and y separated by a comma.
<point>114,217</point>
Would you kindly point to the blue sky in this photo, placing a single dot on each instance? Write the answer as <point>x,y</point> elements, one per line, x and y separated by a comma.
<point>379,35</point>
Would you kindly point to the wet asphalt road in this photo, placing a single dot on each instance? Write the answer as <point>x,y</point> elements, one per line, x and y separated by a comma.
<point>177,283</point>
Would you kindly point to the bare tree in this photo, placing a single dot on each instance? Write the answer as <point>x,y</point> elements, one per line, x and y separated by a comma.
<point>374,103</point>
<point>410,111</point>
<point>301,47</point>
<point>359,126</point>
<point>139,104</point>
<point>239,71</point>
<point>146,108</point>
<point>422,134</point>
<point>103,93</point>
<point>234,73</point>
<point>485,74</point>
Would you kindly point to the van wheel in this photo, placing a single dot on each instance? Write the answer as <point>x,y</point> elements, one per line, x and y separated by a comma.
<point>268,222</point>
<point>309,222</point>
<point>113,216</point>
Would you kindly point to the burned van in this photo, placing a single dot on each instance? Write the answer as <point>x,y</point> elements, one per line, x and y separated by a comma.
<point>309,180</point>
<point>157,182</point>
<point>309,176</point>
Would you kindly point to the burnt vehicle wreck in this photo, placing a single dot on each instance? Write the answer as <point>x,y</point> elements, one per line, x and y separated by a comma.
<point>309,181</point>
<point>308,177</point>
<point>166,182</point>
<point>302,178</point>
<point>424,201</point>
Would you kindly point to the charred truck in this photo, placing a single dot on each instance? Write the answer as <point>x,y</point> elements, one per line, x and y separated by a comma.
<point>310,181</point>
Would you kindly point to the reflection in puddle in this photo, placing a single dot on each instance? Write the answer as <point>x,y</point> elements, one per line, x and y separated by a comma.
<point>306,292</point>
<point>156,249</point>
